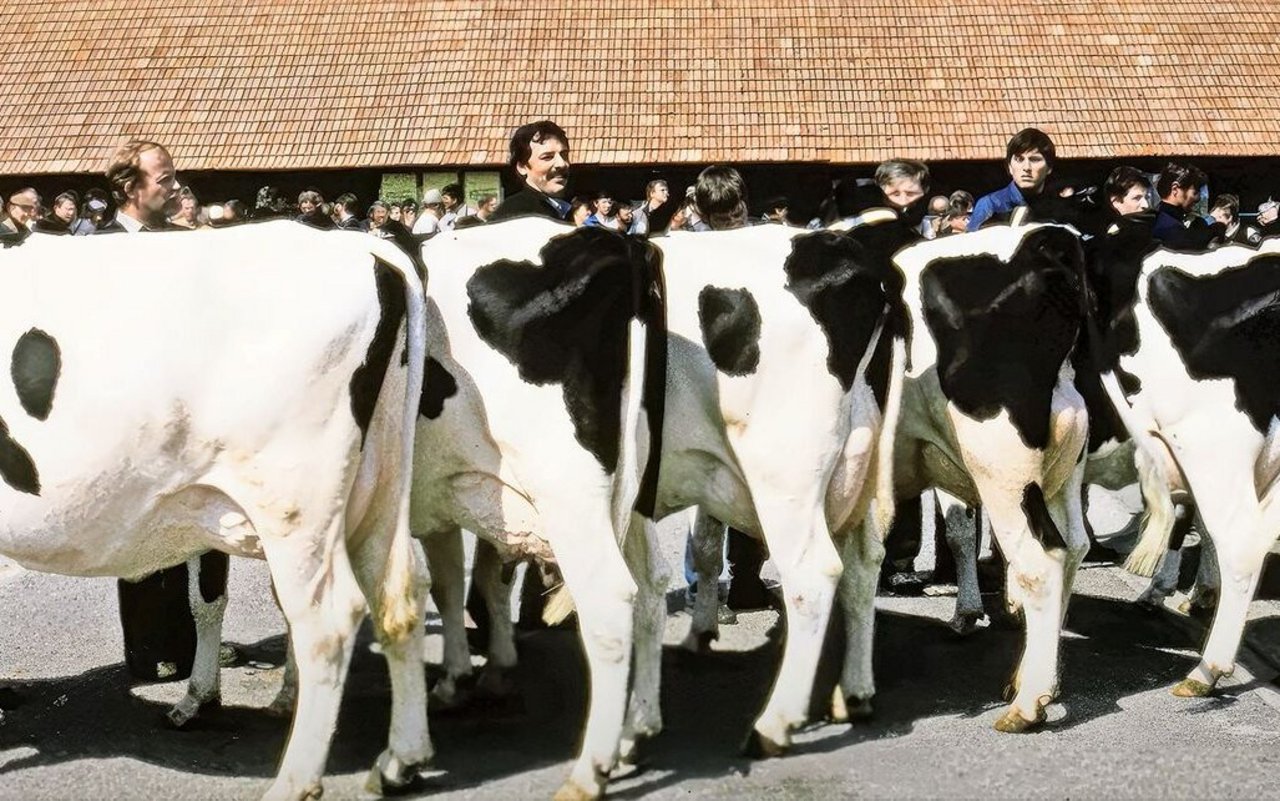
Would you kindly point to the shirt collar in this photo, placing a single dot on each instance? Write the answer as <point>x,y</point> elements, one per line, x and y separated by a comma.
<point>129,223</point>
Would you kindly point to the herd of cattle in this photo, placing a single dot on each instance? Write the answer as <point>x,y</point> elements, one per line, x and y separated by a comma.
<point>295,395</point>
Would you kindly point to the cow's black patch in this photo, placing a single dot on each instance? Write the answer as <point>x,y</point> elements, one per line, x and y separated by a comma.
<point>34,367</point>
<point>730,323</point>
<point>1042,526</point>
<point>1227,326</point>
<point>1003,329</point>
<point>849,283</point>
<point>566,323</point>
<point>16,467</point>
<point>214,567</point>
<point>438,385</point>
<point>366,381</point>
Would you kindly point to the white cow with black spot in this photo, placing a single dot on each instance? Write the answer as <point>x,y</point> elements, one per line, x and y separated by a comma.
<point>250,390</point>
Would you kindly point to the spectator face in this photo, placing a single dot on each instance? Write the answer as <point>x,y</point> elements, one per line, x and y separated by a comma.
<point>659,195</point>
<point>679,219</point>
<point>1029,170</point>
<point>489,206</point>
<point>959,223</point>
<point>156,189</point>
<point>307,206</point>
<point>450,201</point>
<point>938,206</point>
<point>1184,197</point>
<point>188,209</point>
<point>548,167</point>
<point>65,210</point>
<point>580,215</point>
<point>902,192</point>
<point>23,207</point>
<point>394,213</point>
<point>408,216</point>
<point>624,215</point>
<point>1221,214</point>
<point>603,206</point>
<point>1133,202</point>
<point>378,217</point>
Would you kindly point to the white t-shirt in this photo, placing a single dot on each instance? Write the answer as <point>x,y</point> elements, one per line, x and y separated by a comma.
<point>426,224</point>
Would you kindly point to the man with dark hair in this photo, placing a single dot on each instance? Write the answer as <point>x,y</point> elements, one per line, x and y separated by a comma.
<point>454,206</point>
<point>311,211</point>
<point>155,611</point>
<point>343,214</point>
<point>1029,158</point>
<point>539,154</point>
<point>1226,210</point>
<point>721,197</point>
<point>1176,227</point>
<point>1127,190</point>
<point>408,212</point>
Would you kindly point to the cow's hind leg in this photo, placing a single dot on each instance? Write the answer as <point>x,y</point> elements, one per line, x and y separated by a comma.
<point>323,606</point>
<point>604,593</point>
<point>963,534</point>
<point>448,577</point>
<point>644,711</point>
<point>707,545</point>
<point>862,553</point>
<point>493,581</point>
<point>809,567</point>
<point>208,599</point>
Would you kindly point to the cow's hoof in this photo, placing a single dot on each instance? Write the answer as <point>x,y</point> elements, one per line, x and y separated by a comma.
<point>858,709</point>
<point>966,623</point>
<point>391,777</point>
<point>758,746</point>
<point>449,693</point>
<point>1012,722</point>
<point>1190,688</point>
<point>572,791</point>
<point>282,792</point>
<point>699,642</point>
<point>496,683</point>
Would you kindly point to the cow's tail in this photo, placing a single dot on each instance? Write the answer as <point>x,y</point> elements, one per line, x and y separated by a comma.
<point>399,606</point>
<point>558,606</point>
<point>884,503</point>
<point>1157,521</point>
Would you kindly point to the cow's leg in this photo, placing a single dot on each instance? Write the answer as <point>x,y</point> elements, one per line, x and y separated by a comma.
<point>395,582</point>
<point>448,579</point>
<point>1068,511</point>
<point>708,561</point>
<point>1203,599</point>
<point>809,567</point>
<point>1165,580</point>
<point>206,593</point>
<point>604,593</point>
<point>644,710</point>
<point>862,552</point>
<point>963,532</point>
<point>323,605</point>
<point>493,583</point>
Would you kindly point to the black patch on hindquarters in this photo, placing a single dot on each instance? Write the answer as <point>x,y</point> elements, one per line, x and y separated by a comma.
<point>730,323</point>
<point>438,385</point>
<point>1227,326</point>
<point>1042,525</point>
<point>1003,329</point>
<point>882,241</point>
<point>1113,263</point>
<point>846,284</point>
<point>649,293</point>
<point>35,367</point>
<point>367,380</point>
<point>214,567</point>
<point>566,323</point>
<point>16,467</point>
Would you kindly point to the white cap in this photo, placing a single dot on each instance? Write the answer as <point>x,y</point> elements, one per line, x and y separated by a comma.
<point>432,196</point>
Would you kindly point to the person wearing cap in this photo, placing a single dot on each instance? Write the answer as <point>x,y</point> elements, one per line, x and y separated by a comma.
<point>20,210</point>
<point>539,155</point>
<point>429,216</point>
<point>92,213</point>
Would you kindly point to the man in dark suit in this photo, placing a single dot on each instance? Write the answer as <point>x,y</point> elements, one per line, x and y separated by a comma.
<point>539,153</point>
<point>344,212</point>
<point>155,612</point>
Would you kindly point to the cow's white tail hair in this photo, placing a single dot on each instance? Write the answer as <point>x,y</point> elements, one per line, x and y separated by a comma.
<point>884,502</point>
<point>559,605</point>
<point>1157,520</point>
<point>399,611</point>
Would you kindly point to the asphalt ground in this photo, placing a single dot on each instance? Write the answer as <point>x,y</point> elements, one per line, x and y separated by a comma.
<point>79,730</point>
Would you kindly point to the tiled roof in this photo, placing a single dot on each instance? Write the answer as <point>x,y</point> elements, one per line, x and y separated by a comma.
<point>303,84</point>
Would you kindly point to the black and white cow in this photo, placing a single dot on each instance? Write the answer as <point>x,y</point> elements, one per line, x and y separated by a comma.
<point>249,390</point>
<point>1203,343</point>
<point>990,414</point>
<point>543,382</point>
<point>780,386</point>
<point>785,369</point>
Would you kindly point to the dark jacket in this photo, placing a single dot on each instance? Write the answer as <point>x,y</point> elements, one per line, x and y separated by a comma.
<point>525,203</point>
<point>1174,231</point>
<point>351,224</point>
<point>53,225</point>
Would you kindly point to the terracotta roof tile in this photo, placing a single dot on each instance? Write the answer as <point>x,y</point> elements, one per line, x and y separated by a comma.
<point>259,84</point>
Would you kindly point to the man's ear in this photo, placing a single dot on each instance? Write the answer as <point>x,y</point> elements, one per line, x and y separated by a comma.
<point>522,169</point>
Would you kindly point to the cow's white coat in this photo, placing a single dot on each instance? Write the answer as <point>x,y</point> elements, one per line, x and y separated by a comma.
<point>204,403</point>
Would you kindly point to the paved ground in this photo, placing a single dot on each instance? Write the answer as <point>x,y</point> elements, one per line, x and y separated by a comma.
<point>1117,732</point>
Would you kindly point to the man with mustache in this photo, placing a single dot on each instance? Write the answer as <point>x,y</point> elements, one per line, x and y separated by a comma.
<point>539,153</point>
